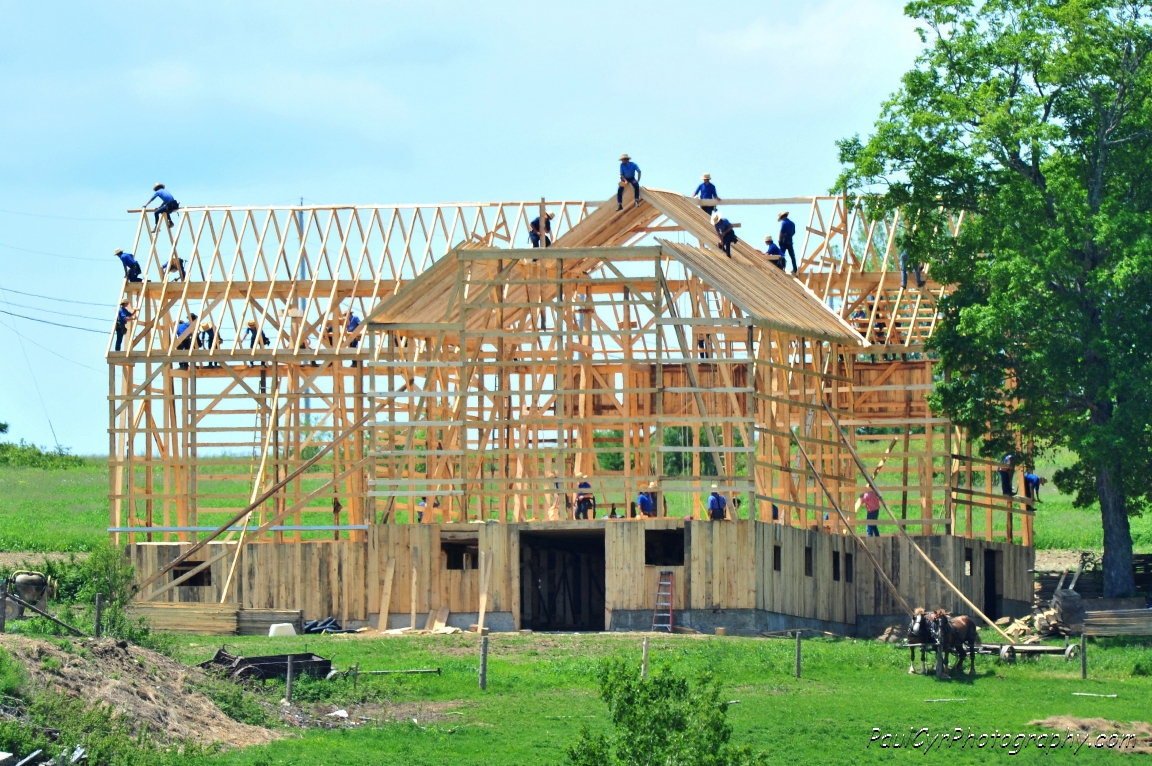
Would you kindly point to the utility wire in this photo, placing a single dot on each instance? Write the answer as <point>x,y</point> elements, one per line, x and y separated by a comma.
<point>36,383</point>
<point>62,300</point>
<point>55,312</point>
<point>45,321</point>
<point>17,333</point>
<point>54,255</point>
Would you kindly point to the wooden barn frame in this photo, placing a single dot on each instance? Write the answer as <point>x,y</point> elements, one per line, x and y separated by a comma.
<point>486,383</point>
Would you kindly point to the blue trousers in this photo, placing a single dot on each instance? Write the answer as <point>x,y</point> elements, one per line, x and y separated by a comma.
<point>873,530</point>
<point>786,246</point>
<point>166,210</point>
<point>534,238</point>
<point>904,271</point>
<point>620,191</point>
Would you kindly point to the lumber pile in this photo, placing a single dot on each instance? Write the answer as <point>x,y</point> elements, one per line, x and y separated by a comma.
<point>201,619</point>
<point>214,619</point>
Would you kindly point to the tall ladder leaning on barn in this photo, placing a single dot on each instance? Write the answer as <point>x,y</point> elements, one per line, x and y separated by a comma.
<point>662,616</point>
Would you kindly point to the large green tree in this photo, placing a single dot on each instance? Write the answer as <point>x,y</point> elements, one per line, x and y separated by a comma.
<point>1034,119</point>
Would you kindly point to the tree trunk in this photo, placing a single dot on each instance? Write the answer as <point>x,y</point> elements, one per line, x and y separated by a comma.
<point>1118,580</point>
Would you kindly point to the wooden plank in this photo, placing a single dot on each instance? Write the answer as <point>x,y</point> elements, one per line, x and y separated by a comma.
<point>386,594</point>
<point>441,620</point>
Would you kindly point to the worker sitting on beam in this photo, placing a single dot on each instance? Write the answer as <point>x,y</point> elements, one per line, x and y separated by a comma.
<point>774,253</point>
<point>727,233</point>
<point>168,205</point>
<point>629,174</point>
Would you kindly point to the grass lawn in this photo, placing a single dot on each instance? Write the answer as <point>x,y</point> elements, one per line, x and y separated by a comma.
<point>542,689</point>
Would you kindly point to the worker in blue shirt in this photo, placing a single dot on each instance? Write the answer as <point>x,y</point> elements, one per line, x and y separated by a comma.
<point>183,329</point>
<point>168,205</point>
<point>585,499</point>
<point>629,174</point>
<point>647,501</point>
<point>1006,470</point>
<point>726,232</point>
<point>1032,484</point>
<point>717,505</point>
<point>916,267</point>
<point>534,230</point>
<point>787,232</point>
<point>131,265</point>
<point>774,253</point>
<point>253,335</point>
<point>706,191</point>
<point>353,323</point>
<point>123,316</point>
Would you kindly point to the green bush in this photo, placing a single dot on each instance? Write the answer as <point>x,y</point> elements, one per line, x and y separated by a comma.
<point>24,455</point>
<point>666,719</point>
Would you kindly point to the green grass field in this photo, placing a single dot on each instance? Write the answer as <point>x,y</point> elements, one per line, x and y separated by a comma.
<point>67,510</point>
<point>542,688</point>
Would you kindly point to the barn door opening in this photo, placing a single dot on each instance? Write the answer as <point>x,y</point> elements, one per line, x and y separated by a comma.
<point>562,580</point>
<point>990,603</point>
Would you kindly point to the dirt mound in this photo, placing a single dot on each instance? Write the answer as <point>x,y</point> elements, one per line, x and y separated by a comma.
<point>1066,723</point>
<point>143,687</point>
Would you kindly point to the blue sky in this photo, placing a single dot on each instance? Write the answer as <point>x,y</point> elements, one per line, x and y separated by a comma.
<point>344,102</point>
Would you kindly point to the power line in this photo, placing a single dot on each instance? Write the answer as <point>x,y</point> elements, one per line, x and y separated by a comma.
<point>60,217</point>
<point>54,311</point>
<point>62,300</point>
<point>57,324</point>
<point>18,334</point>
<point>54,255</point>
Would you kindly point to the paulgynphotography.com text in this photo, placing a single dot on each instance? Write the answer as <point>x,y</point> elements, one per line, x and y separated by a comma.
<point>1011,743</point>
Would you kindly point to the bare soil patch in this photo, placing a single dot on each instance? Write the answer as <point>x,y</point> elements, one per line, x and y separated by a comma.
<point>1067,723</point>
<point>144,688</point>
<point>24,560</point>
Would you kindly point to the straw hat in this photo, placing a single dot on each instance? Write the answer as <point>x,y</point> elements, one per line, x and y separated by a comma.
<point>549,216</point>
<point>715,486</point>
<point>119,251</point>
<point>124,302</point>
<point>768,238</point>
<point>624,158</point>
<point>651,485</point>
<point>252,323</point>
<point>707,177</point>
<point>715,218</point>
<point>782,216</point>
<point>157,187</point>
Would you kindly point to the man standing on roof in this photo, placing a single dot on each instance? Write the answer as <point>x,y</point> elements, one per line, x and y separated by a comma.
<point>629,174</point>
<point>123,316</point>
<point>131,265</point>
<point>706,191</point>
<point>774,253</point>
<point>727,233</point>
<point>168,205</point>
<point>534,230</point>
<point>787,232</point>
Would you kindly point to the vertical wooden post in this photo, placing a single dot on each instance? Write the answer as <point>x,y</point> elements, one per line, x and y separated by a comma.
<point>3,605</point>
<point>644,661</point>
<point>1083,656</point>
<point>97,630</point>
<point>288,682</point>
<point>798,634</point>
<point>483,662</point>
<point>415,558</point>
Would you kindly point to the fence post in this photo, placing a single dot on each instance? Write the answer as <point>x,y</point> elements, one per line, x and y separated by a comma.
<point>1083,656</point>
<point>644,664</point>
<point>97,631</point>
<point>798,634</point>
<point>288,685</point>
<point>3,605</point>
<point>483,662</point>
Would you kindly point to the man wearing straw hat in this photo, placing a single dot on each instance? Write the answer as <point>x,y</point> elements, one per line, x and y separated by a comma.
<point>727,233</point>
<point>629,174</point>
<point>131,265</point>
<point>774,253</point>
<point>123,316</point>
<point>646,502</point>
<point>585,499</point>
<point>787,232</point>
<point>706,191</point>
<point>717,505</point>
<point>168,205</point>
<point>534,230</point>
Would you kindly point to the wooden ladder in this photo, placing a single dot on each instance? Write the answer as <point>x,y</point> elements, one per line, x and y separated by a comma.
<point>662,617</point>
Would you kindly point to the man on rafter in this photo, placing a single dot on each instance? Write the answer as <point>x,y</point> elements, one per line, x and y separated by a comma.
<point>168,205</point>
<point>706,190</point>
<point>534,230</point>
<point>787,232</point>
<point>629,174</point>
<point>131,265</point>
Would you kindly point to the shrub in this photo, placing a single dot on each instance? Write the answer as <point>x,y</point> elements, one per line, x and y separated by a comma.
<point>666,719</point>
<point>24,455</point>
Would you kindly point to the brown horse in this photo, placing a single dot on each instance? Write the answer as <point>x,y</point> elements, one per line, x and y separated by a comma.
<point>920,633</point>
<point>955,634</point>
